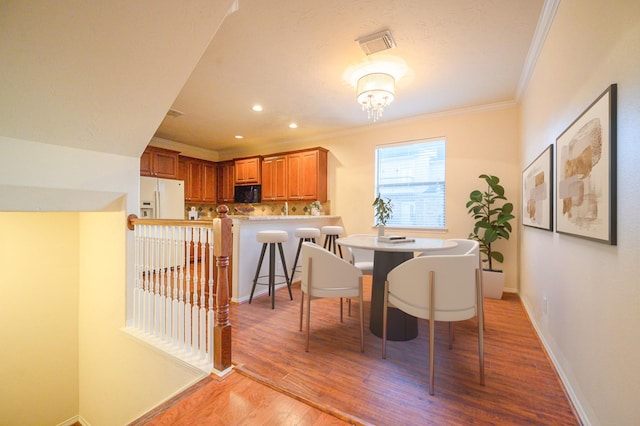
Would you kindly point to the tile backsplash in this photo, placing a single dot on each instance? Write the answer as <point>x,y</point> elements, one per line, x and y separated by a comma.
<point>258,209</point>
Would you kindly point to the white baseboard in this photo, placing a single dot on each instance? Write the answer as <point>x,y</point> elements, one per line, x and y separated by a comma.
<point>563,377</point>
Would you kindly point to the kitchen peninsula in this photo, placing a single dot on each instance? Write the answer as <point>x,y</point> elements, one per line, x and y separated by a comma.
<point>246,250</point>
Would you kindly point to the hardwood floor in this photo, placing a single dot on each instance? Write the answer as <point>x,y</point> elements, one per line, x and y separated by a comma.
<point>276,382</point>
<point>236,400</point>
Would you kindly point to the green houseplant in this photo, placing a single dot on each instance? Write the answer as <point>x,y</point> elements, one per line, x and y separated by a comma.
<point>383,212</point>
<point>492,213</point>
<point>492,219</point>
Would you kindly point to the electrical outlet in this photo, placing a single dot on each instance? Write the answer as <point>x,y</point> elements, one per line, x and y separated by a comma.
<point>545,305</point>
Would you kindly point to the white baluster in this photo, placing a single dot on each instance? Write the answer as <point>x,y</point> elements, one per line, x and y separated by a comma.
<point>203,313</point>
<point>210,311</point>
<point>148,311</point>
<point>137,294</point>
<point>168,283</point>
<point>162,272</point>
<point>194,282</point>
<point>182,246</point>
<point>187,305</point>
<point>174,296</point>
<point>157,278</point>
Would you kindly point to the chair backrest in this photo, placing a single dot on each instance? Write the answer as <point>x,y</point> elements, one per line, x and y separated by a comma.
<point>362,258</point>
<point>454,278</point>
<point>463,246</point>
<point>326,275</point>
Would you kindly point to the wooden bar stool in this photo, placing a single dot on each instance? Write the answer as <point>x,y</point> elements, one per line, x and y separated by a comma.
<point>271,238</point>
<point>331,235</point>
<point>305,234</point>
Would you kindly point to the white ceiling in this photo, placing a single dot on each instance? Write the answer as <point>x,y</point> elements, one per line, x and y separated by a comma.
<point>291,57</point>
<point>98,75</point>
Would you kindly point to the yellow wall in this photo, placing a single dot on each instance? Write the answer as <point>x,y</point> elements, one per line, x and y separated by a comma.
<point>121,378</point>
<point>62,307</point>
<point>38,318</point>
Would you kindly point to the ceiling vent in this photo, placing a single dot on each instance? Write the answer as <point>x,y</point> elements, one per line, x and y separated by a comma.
<point>175,113</point>
<point>377,42</point>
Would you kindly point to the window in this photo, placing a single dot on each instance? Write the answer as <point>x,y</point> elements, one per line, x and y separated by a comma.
<point>412,176</point>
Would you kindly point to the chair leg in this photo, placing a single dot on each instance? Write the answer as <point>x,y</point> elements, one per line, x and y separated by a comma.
<point>308,320</point>
<point>480,325</point>
<point>361,317</point>
<point>341,320</point>
<point>295,261</point>
<point>255,278</point>
<point>284,269</point>
<point>385,306</point>
<point>432,332</point>
<point>480,290</point>
<point>301,307</point>
<point>272,274</point>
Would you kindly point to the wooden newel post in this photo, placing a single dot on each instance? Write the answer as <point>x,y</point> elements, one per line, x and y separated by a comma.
<point>222,249</point>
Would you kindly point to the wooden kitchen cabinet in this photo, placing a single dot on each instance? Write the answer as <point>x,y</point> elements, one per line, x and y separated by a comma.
<point>307,175</point>
<point>274,178</point>
<point>159,162</point>
<point>248,171</point>
<point>209,182</point>
<point>199,179</point>
<point>226,181</point>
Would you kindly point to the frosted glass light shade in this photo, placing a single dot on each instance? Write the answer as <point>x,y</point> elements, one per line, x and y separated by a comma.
<point>375,91</point>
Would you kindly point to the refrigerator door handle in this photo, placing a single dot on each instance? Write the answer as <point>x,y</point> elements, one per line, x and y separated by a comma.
<point>158,213</point>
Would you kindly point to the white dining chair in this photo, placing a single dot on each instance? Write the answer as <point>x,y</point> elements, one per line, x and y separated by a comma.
<point>361,259</point>
<point>463,246</point>
<point>435,288</point>
<point>325,275</point>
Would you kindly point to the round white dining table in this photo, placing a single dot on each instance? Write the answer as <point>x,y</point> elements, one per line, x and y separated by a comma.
<point>400,326</point>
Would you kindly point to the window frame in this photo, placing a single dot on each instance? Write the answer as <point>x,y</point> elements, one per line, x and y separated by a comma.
<point>442,183</point>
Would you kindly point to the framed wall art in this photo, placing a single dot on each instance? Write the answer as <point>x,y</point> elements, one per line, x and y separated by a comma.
<point>586,172</point>
<point>537,192</point>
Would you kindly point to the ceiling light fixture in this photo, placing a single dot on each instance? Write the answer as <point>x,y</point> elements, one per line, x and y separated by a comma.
<point>375,91</point>
<point>293,126</point>
<point>257,108</point>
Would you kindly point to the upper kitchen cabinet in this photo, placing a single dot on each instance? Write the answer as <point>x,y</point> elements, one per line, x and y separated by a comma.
<point>159,162</point>
<point>209,179</point>
<point>274,178</point>
<point>307,175</point>
<point>226,181</point>
<point>248,171</point>
<point>199,179</point>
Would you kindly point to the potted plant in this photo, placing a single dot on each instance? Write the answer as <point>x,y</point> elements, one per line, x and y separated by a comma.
<point>316,208</point>
<point>492,214</point>
<point>383,211</point>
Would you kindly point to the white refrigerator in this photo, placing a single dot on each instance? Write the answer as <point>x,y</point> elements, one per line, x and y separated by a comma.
<point>161,198</point>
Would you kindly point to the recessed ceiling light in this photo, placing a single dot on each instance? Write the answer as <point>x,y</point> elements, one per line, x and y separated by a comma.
<point>239,136</point>
<point>257,108</point>
<point>293,126</point>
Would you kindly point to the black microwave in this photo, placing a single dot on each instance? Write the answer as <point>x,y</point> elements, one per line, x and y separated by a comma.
<point>247,194</point>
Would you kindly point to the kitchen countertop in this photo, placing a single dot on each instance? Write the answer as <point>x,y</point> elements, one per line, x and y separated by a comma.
<point>246,249</point>
<point>243,217</point>
<point>281,217</point>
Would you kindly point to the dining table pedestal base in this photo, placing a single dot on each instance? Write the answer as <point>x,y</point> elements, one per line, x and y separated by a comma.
<point>400,326</point>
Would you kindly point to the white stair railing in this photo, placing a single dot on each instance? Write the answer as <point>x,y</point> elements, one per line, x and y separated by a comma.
<point>173,298</point>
